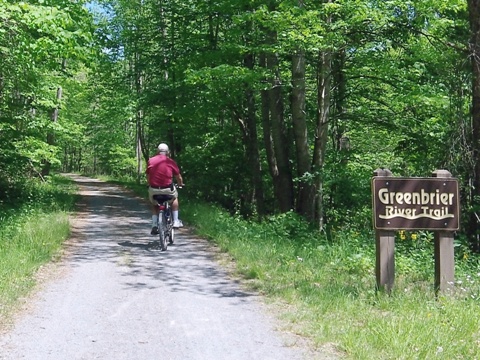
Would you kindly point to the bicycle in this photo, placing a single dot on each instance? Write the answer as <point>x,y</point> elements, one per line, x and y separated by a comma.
<point>166,231</point>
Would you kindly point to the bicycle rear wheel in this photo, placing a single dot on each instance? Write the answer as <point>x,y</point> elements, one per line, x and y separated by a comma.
<point>170,234</point>
<point>162,232</point>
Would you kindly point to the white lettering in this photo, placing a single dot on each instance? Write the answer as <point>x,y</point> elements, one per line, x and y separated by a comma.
<point>383,196</point>
<point>414,198</point>
<point>399,198</point>
<point>407,197</point>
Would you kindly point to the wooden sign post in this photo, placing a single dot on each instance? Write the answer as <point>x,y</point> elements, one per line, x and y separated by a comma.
<point>415,204</point>
<point>444,251</point>
<point>385,250</point>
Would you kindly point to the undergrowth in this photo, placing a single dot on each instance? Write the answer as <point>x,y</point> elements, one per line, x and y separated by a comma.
<point>33,225</point>
<point>329,286</point>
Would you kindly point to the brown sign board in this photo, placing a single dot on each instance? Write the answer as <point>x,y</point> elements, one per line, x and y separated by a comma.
<point>415,203</point>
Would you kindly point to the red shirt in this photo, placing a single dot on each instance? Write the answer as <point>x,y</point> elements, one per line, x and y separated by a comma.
<point>160,170</point>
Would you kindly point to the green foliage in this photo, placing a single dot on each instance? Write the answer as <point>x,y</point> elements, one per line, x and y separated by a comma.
<point>117,163</point>
<point>193,74</point>
<point>24,195</point>
<point>36,39</point>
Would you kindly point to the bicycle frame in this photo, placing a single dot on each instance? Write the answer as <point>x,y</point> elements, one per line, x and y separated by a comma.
<point>165,221</point>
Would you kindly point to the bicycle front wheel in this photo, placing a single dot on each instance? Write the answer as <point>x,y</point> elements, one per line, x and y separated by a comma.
<point>161,232</point>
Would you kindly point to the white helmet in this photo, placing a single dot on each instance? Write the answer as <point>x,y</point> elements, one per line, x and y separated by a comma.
<point>163,148</point>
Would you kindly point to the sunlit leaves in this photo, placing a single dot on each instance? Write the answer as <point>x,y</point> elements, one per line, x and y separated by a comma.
<point>36,39</point>
<point>395,75</point>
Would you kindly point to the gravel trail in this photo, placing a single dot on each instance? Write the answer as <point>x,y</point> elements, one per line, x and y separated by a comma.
<point>114,295</point>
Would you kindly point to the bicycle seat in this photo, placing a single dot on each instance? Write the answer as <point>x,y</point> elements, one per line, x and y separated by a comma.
<point>163,198</point>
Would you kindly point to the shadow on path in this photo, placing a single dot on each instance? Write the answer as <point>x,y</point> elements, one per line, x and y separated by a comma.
<point>115,227</point>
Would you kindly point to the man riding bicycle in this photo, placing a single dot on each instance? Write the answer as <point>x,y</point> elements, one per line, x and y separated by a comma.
<point>161,170</point>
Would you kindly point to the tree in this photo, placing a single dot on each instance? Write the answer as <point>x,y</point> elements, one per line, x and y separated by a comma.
<point>34,40</point>
<point>215,78</point>
<point>474,50</point>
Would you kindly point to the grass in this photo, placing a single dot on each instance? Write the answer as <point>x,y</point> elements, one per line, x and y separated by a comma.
<point>33,225</point>
<point>27,246</point>
<point>329,287</point>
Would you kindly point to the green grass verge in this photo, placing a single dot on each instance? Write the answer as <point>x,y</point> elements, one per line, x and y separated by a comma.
<point>329,287</point>
<point>24,248</point>
<point>32,230</point>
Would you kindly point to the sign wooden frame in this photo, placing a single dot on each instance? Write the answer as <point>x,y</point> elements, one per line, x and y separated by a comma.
<point>415,203</point>
<point>441,207</point>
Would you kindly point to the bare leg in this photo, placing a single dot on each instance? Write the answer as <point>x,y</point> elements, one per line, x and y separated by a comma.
<point>175,205</point>
<point>155,212</point>
<point>176,220</point>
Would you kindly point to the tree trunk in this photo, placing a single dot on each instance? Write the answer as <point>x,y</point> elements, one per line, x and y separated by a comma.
<point>339,96</point>
<point>251,143</point>
<point>267,131</point>
<point>51,135</point>
<point>283,182</point>
<point>337,130</point>
<point>79,160</point>
<point>2,85</point>
<point>139,139</point>
<point>139,147</point>
<point>321,131</point>
<point>213,28</point>
<point>474,16</point>
<point>305,202</point>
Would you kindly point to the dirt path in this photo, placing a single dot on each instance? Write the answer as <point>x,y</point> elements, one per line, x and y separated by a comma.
<point>115,296</point>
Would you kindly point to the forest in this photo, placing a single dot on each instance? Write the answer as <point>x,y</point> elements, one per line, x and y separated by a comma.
<point>269,107</point>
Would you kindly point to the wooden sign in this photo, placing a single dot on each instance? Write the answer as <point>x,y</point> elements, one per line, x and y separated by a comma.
<point>415,203</point>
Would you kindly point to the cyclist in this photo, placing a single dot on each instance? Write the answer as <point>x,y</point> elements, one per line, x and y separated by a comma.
<point>161,170</point>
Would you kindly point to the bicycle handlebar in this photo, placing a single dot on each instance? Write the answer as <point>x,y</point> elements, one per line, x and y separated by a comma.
<point>177,186</point>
